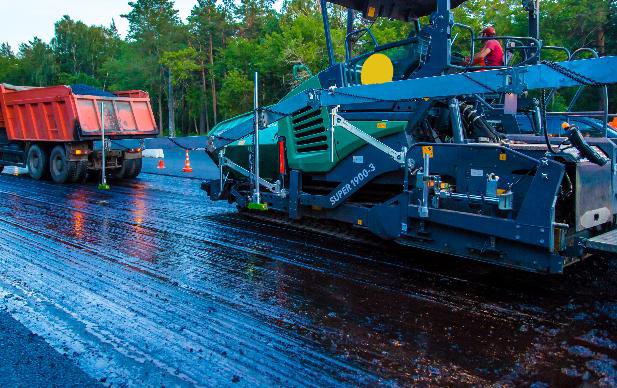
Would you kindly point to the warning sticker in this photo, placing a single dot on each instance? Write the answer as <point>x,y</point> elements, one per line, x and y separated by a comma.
<point>427,150</point>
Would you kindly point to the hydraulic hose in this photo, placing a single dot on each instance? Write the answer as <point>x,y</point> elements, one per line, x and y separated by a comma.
<point>475,120</point>
<point>536,118</point>
<point>489,128</point>
<point>569,186</point>
<point>543,122</point>
<point>576,138</point>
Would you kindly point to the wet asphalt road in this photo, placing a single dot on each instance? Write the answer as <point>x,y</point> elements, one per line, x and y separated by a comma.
<point>27,360</point>
<point>153,284</point>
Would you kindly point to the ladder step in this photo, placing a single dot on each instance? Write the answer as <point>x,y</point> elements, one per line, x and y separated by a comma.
<point>606,242</point>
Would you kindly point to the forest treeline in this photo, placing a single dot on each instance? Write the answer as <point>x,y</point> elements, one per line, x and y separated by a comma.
<point>212,55</point>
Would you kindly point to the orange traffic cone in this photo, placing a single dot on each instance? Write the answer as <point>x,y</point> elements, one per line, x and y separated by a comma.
<point>161,165</point>
<point>187,163</point>
<point>613,123</point>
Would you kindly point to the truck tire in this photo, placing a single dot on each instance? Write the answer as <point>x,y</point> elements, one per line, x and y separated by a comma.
<point>59,166</point>
<point>123,171</point>
<point>136,168</point>
<point>38,162</point>
<point>78,171</point>
<point>131,168</point>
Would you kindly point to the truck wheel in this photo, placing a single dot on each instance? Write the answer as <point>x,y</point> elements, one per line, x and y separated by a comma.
<point>135,169</point>
<point>123,171</point>
<point>78,171</point>
<point>37,162</point>
<point>58,165</point>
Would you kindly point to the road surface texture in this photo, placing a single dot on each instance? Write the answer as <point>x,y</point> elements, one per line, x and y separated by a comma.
<point>152,284</point>
<point>27,360</point>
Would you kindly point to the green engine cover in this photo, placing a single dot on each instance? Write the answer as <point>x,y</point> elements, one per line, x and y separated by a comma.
<point>308,139</point>
<point>240,151</point>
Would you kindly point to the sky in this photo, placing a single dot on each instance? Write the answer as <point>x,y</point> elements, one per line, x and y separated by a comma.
<point>24,19</point>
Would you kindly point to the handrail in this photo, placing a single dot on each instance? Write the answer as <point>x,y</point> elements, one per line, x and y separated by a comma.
<point>559,48</point>
<point>473,36</point>
<point>383,48</point>
<point>517,44</point>
<point>352,33</point>
<point>597,113</point>
<point>550,96</point>
<point>299,67</point>
<point>583,50</point>
<point>350,62</point>
<point>581,88</point>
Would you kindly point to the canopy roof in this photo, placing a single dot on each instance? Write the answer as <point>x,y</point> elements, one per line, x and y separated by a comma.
<point>401,9</point>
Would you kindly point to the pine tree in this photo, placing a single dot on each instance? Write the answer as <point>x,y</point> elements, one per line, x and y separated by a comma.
<point>154,27</point>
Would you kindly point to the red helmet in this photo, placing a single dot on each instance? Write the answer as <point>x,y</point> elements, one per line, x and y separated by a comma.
<point>489,31</point>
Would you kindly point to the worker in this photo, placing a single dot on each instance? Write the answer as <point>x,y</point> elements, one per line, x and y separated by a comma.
<point>492,52</point>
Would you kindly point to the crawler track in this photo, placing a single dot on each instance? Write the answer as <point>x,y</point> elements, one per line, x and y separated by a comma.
<point>152,283</point>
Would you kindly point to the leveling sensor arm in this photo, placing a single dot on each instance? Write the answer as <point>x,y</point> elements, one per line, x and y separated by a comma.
<point>549,75</point>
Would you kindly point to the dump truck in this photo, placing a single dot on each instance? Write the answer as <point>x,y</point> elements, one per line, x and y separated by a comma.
<point>56,132</point>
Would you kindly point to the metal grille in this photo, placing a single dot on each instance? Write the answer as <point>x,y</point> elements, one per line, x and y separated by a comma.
<point>310,130</point>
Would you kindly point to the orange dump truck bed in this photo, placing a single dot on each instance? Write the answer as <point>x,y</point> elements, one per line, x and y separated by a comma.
<point>57,114</point>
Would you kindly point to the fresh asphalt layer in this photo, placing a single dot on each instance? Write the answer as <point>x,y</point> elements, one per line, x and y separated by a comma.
<point>152,284</point>
<point>27,360</point>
